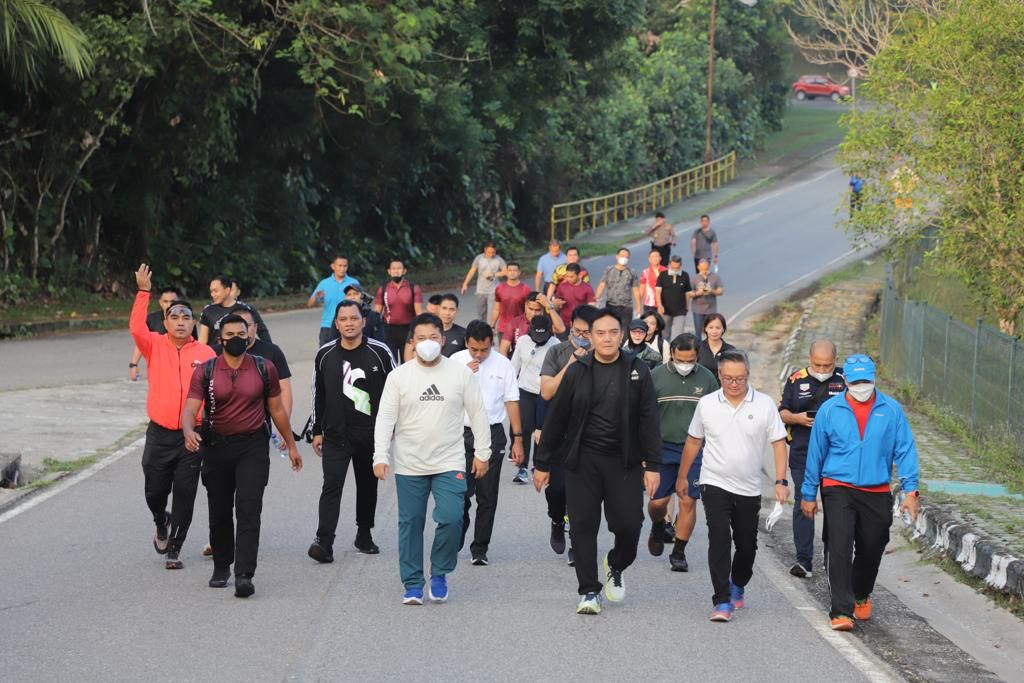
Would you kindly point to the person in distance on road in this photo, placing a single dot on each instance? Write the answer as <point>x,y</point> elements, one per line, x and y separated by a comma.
<point>527,362</point>
<point>733,424</point>
<point>671,293</point>
<point>572,292</point>
<point>454,335</point>
<point>707,287</point>
<point>603,426</point>
<point>805,391</point>
<point>500,392</point>
<point>329,293</point>
<point>679,385</point>
<point>170,469</point>
<point>622,286</point>
<point>509,297</point>
<point>572,255</point>
<point>663,236</point>
<point>704,243</point>
<point>536,304</point>
<point>223,294</point>
<point>546,266</point>
<point>348,380</point>
<point>434,304</point>
<point>239,394</point>
<point>488,267</point>
<point>855,439</point>
<point>422,412</point>
<point>649,281</point>
<point>398,301</point>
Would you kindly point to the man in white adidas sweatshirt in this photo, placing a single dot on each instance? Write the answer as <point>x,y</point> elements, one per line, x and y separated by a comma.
<point>422,411</point>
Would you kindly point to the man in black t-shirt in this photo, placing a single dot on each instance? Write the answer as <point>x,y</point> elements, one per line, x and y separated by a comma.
<point>224,301</point>
<point>348,380</point>
<point>670,293</point>
<point>454,335</point>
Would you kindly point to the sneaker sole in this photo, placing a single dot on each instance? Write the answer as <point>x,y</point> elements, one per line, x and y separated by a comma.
<point>176,564</point>
<point>720,618</point>
<point>800,573</point>
<point>608,596</point>
<point>433,598</point>
<point>844,627</point>
<point>479,563</point>
<point>588,611</point>
<point>245,592</point>
<point>412,601</point>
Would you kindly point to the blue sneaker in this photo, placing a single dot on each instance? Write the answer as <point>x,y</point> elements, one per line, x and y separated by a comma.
<point>413,596</point>
<point>438,590</point>
<point>722,612</point>
<point>736,596</point>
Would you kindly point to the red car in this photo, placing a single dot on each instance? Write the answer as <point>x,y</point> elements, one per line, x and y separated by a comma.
<point>809,87</point>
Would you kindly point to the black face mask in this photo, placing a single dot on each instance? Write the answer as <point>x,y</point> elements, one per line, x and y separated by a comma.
<point>236,346</point>
<point>540,338</point>
<point>396,278</point>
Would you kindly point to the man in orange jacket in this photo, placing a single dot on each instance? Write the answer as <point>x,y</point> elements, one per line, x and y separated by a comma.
<point>167,465</point>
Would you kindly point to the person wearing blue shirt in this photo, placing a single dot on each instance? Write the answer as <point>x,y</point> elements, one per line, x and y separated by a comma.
<point>856,193</point>
<point>856,437</point>
<point>330,292</point>
<point>546,265</point>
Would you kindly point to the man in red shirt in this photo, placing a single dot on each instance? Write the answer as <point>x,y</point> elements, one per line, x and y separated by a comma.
<point>649,281</point>
<point>572,292</point>
<point>168,466</point>
<point>510,297</point>
<point>536,304</point>
<point>398,301</point>
<point>235,448</point>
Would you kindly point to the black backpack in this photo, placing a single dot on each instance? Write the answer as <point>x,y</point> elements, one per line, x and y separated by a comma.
<point>210,404</point>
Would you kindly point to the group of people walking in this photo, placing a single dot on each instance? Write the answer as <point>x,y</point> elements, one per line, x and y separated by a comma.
<point>608,404</point>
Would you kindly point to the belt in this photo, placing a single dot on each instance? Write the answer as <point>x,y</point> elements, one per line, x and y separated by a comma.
<point>221,438</point>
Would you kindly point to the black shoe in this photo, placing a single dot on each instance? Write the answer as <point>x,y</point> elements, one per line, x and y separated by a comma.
<point>571,560</point>
<point>670,533</point>
<point>656,541</point>
<point>678,562</point>
<point>480,559</point>
<point>320,553</point>
<point>243,586</point>
<point>220,578</point>
<point>558,537</point>
<point>172,561</point>
<point>160,537</point>
<point>364,543</point>
<point>800,571</point>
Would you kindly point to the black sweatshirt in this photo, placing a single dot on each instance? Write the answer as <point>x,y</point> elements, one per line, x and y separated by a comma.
<point>334,409</point>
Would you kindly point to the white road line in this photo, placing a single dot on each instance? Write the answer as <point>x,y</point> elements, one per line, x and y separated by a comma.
<point>70,481</point>
<point>740,312</point>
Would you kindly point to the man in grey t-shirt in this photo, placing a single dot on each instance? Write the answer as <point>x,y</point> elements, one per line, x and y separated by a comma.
<point>621,284</point>
<point>704,242</point>
<point>488,267</point>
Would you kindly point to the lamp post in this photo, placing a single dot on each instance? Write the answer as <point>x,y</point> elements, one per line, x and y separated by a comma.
<point>711,74</point>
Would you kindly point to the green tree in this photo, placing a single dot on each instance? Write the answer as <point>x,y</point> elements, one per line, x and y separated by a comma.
<point>30,32</point>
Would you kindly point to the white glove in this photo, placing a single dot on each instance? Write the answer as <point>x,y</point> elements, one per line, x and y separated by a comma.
<point>774,516</point>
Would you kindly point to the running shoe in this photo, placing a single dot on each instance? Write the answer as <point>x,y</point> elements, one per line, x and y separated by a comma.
<point>842,622</point>
<point>862,609</point>
<point>800,571</point>
<point>656,541</point>
<point>172,561</point>
<point>479,559</point>
<point>364,543</point>
<point>438,591</point>
<point>160,535</point>
<point>321,553</point>
<point>589,604</point>
<point>522,476</point>
<point>736,595</point>
<point>243,586</point>
<point>571,558</point>
<point>413,596</point>
<point>678,563</point>
<point>220,578</point>
<point>722,612</point>
<point>614,589</point>
<point>558,537</point>
<point>670,533</point>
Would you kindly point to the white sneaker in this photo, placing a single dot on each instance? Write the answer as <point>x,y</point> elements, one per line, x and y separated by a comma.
<point>614,589</point>
<point>589,604</point>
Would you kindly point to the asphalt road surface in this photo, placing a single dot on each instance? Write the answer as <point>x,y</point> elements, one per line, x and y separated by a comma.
<point>83,597</point>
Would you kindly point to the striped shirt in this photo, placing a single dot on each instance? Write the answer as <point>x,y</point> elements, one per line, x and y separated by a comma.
<point>678,396</point>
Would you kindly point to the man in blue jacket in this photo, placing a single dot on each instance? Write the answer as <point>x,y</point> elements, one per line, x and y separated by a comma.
<point>855,439</point>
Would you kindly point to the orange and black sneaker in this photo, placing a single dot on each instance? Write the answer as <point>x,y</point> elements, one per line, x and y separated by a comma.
<point>862,609</point>
<point>841,622</point>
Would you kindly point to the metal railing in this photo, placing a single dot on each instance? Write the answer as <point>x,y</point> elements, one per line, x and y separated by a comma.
<point>975,372</point>
<point>594,212</point>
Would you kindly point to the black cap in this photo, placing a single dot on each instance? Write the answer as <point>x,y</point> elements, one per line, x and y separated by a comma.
<point>637,324</point>
<point>540,323</point>
<point>353,287</point>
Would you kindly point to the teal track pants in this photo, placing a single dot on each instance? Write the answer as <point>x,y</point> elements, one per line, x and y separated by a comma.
<point>449,489</point>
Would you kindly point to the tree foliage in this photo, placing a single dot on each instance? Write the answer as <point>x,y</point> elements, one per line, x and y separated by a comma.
<point>257,136</point>
<point>949,118</point>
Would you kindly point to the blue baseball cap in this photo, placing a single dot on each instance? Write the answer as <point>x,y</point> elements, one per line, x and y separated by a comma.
<point>859,367</point>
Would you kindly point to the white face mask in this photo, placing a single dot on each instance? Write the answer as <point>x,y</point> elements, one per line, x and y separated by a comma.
<point>684,369</point>
<point>674,271</point>
<point>820,376</point>
<point>861,392</point>
<point>622,260</point>
<point>428,350</point>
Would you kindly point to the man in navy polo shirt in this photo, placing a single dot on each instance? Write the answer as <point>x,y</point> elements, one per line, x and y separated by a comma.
<point>330,293</point>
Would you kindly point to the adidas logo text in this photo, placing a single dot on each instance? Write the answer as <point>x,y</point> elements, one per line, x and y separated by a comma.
<point>431,394</point>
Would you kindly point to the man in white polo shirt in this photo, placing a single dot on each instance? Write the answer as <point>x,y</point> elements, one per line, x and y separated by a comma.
<point>500,392</point>
<point>734,424</point>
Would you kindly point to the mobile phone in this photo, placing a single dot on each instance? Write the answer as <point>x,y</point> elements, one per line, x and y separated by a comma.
<point>812,413</point>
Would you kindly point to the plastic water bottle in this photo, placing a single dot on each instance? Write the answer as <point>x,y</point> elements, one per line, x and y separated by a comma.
<point>279,444</point>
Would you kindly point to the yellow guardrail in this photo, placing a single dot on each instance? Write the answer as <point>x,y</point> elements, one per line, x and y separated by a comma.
<point>587,214</point>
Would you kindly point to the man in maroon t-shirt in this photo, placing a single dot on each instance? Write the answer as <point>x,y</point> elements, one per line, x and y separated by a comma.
<point>536,304</point>
<point>572,292</point>
<point>398,301</point>
<point>510,297</point>
<point>236,451</point>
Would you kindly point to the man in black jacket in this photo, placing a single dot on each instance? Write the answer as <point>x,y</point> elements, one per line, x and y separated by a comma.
<point>603,425</point>
<point>348,380</point>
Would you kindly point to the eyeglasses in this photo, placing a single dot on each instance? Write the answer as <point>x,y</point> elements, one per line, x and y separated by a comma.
<point>735,381</point>
<point>585,334</point>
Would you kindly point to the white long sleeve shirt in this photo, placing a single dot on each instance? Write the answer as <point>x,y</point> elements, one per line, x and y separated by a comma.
<point>421,411</point>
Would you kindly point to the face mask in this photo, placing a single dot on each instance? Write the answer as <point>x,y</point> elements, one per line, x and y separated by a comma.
<point>820,376</point>
<point>861,392</point>
<point>673,272</point>
<point>580,342</point>
<point>540,338</point>
<point>622,261</point>
<point>396,278</point>
<point>428,350</point>
<point>684,369</point>
<point>236,346</point>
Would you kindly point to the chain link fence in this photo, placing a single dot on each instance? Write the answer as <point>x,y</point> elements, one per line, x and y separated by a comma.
<point>975,372</point>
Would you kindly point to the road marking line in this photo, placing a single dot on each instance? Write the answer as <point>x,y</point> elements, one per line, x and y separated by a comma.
<point>70,481</point>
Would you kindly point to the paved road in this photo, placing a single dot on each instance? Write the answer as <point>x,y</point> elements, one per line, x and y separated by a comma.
<point>84,597</point>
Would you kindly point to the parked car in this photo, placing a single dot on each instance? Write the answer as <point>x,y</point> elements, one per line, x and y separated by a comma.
<point>809,87</point>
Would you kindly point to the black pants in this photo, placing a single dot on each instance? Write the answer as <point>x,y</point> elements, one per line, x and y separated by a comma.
<point>485,489</point>
<point>803,527</point>
<point>600,479</point>
<point>395,337</point>
<point>170,468</point>
<point>357,447</point>
<point>554,494</point>
<point>531,410</point>
<point>856,533</point>
<point>624,313</point>
<point>328,334</point>
<point>731,519</point>
<point>235,472</point>
<point>665,250</point>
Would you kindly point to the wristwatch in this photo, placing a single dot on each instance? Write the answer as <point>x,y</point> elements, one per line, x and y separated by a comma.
<point>782,482</point>
<point>133,365</point>
<point>519,434</point>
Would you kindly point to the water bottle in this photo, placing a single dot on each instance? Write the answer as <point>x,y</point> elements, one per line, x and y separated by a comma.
<point>279,444</point>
